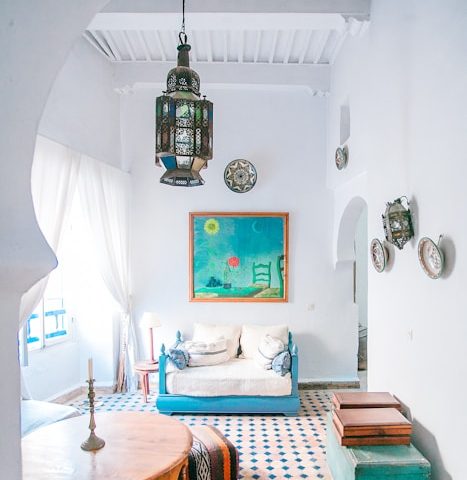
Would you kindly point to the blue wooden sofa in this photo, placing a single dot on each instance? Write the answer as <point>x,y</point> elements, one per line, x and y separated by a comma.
<point>171,403</point>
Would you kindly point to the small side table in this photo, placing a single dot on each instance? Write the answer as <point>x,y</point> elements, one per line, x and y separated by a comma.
<point>144,369</point>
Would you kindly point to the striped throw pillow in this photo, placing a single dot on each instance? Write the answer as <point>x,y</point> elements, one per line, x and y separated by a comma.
<point>207,353</point>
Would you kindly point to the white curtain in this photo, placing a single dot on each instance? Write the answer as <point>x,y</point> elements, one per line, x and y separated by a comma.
<point>105,196</point>
<point>53,184</point>
<point>54,178</point>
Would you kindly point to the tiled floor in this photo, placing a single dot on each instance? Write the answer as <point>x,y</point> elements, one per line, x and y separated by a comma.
<point>270,447</point>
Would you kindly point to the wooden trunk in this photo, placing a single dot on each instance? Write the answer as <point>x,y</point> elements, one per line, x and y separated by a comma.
<point>371,440</point>
<point>364,422</point>
<point>391,462</point>
<point>343,400</point>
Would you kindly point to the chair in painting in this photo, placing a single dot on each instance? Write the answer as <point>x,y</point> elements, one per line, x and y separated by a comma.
<point>280,273</point>
<point>262,274</point>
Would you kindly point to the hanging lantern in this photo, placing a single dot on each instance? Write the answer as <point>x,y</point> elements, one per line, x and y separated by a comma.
<point>183,123</point>
<point>397,222</point>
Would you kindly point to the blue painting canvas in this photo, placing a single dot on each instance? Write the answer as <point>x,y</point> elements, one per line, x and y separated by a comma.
<point>238,256</point>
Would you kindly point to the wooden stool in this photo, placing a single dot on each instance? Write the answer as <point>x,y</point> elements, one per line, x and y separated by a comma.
<point>144,369</point>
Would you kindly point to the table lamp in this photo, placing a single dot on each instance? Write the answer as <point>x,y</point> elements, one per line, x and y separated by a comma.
<point>150,320</point>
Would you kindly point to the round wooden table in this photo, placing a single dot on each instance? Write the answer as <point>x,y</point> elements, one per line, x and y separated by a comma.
<point>137,446</point>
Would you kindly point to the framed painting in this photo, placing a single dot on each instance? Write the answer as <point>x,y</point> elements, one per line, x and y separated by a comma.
<point>238,257</point>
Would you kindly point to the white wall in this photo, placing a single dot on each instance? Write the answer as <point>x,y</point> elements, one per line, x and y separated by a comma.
<point>405,84</point>
<point>282,131</point>
<point>53,370</point>
<point>35,44</point>
<point>83,111</point>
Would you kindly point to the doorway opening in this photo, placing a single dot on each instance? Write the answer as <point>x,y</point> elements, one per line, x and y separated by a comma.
<point>352,258</point>
<point>360,286</point>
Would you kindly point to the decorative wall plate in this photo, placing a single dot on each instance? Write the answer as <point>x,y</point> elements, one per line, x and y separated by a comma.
<point>431,258</point>
<point>240,176</point>
<point>342,157</point>
<point>379,255</point>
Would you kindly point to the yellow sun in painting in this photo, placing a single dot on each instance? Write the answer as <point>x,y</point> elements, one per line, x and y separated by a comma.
<point>211,226</point>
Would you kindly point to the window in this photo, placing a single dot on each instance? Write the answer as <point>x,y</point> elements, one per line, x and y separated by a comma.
<point>50,322</point>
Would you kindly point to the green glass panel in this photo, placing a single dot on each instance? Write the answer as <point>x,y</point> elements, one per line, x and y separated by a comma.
<point>184,110</point>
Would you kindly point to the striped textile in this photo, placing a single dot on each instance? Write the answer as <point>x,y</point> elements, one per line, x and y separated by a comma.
<point>212,456</point>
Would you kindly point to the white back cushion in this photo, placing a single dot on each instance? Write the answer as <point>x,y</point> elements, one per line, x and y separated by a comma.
<point>252,334</point>
<point>206,332</point>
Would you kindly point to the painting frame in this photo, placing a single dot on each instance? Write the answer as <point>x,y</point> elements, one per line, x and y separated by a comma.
<point>278,265</point>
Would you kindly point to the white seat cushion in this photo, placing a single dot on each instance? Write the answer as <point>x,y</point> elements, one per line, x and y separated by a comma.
<point>235,377</point>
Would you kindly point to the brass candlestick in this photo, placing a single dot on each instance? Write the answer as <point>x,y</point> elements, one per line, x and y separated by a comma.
<point>93,442</point>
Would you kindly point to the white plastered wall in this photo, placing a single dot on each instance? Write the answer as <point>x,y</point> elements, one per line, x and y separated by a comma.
<point>35,45</point>
<point>404,82</point>
<point>282,132</point>
<point>82,110</point>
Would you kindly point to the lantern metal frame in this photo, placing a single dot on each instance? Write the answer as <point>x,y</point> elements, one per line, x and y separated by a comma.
<point>397,222</point>
<point>184,123</point>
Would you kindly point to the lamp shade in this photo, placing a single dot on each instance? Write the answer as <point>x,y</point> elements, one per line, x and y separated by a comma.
<point>150,320</point>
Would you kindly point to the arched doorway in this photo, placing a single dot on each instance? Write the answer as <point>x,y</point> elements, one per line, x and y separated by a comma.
<point>352,257</point>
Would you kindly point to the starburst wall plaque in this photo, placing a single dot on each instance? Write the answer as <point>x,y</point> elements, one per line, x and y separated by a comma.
<point>240,176</point>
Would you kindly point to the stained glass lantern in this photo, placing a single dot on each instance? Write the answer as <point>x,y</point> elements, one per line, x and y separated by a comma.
<point>183,125</point>
<point>397,222</point>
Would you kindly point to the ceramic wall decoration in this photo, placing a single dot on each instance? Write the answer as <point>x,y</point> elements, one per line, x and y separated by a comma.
<point>379,255</point>
<point>431,258</point>
<point>240,176</point>
<point>342,157</point>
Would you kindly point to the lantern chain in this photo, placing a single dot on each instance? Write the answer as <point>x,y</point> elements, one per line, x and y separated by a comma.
<point>182,36</point>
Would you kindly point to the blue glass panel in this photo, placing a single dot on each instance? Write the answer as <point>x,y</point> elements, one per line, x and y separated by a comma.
<point>169,161</point>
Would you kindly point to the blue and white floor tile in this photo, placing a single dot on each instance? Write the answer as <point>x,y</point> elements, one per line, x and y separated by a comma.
<point>270,447</point>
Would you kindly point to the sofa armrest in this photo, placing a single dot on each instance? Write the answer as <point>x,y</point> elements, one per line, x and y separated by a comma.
<point>163,359</point>
<point>293,349</point>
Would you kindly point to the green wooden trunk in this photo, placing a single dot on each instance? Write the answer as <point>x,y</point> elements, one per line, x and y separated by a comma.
<point>384,462</point>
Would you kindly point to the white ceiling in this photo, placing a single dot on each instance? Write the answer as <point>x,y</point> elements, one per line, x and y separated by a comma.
<point>273,42</point>
<point>276,38</point>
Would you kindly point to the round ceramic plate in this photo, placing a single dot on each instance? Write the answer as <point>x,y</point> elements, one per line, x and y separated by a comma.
<point>379,255</point>
<point>342,157</point>
<point>240,176</point>
<point>431,258</point>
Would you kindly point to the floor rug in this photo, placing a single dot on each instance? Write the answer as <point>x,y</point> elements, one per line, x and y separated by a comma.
<point>269,446</point>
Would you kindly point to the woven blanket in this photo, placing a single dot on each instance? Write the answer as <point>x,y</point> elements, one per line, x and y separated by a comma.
<point>212,456</point>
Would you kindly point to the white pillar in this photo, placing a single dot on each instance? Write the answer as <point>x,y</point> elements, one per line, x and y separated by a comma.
<point>35,38</point>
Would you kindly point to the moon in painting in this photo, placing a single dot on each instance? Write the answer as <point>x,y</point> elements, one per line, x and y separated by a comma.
<point>256,226</point>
